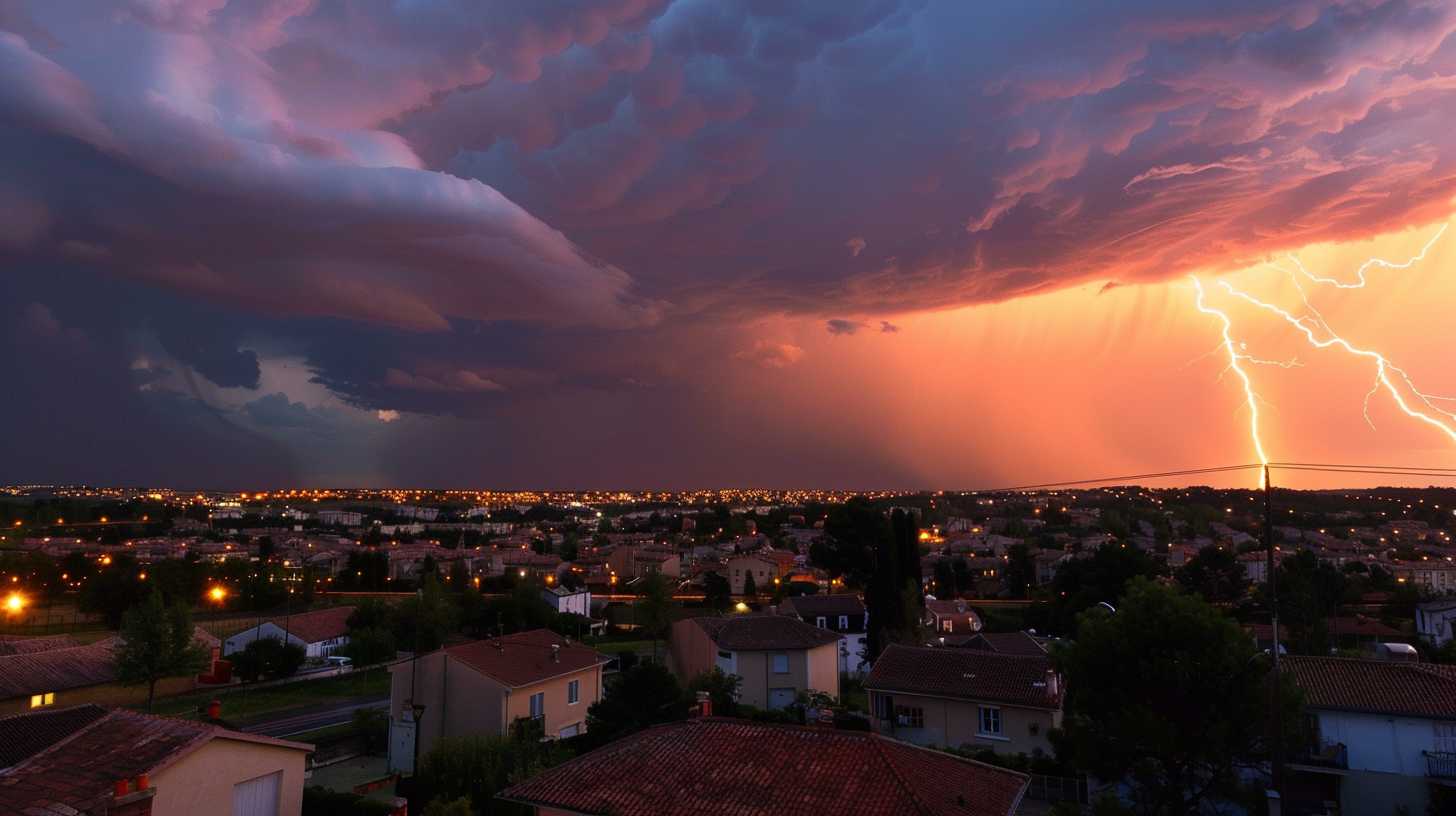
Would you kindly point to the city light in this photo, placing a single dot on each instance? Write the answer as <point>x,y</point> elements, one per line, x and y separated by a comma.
<point>217,594</point>
<point>14,603</point>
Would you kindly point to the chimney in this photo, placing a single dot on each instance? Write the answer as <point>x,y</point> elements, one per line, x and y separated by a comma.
<point>556,653</point>
<point>1051,683</point>
<point>705,704</point>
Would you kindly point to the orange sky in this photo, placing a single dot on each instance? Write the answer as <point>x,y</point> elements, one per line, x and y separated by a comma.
<point>1079,384</point>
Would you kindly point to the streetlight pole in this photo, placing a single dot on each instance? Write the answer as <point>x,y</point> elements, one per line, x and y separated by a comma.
<point>1276,723</point>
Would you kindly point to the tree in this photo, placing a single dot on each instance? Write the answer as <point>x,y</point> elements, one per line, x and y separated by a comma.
<point>114,588</point>
<point>452,807</point>
<point>1020,570</point>
<point>852,532</point>
<point>157,642</point>
<point>1216,574</point>
<point>268,657</point>
<point>722,689</point>
<point>1310,592</point>
<point>644,695</point>
<point>1085,582</point>
<point>1130,676</point>
<point>717,592</point>
<point>423,622</point>
<point>750,586</point>
<point>476,768</point>
<point>367,647</point>
<point>653,610</point>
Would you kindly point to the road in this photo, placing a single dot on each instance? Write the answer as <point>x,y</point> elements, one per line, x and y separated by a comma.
<point>313,717</point>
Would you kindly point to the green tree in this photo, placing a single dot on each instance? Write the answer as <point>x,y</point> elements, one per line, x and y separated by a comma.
<point>750,586</point>
<point>722,689</point>
<point>1216,574</point>
<point>1130,677</point>
<point>115,587</point>
<point>643,695</point>
<point>1085,582</point>
<point>452,807</point>
<point>654,608</point>
<point>422,622</point>
<point>367,647</point>
<point>1020,570</point>
<point>1310,592</point>
<point>853,532</point>
<point>157,642</point>
<point>717,592</point>
<point>476,768</point>
<point>268,657</point>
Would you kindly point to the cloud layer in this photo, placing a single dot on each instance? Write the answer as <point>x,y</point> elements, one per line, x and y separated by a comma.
<point>464,208</point>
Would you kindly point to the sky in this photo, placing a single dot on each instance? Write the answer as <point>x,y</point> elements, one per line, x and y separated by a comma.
<point>705,243</point>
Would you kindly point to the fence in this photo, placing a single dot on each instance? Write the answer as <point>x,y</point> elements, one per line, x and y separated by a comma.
<point>1057,789</point>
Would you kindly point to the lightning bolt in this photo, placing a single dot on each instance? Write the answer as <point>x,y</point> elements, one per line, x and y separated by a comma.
<point>1318,332</point>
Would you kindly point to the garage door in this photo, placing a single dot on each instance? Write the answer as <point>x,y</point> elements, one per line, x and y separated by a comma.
<point>571,730</point>
<point>780,698</point>
<point>258,797</point>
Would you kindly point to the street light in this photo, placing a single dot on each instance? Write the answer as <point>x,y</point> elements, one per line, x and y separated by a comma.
<point>217,594</point>
<point>14,603</point>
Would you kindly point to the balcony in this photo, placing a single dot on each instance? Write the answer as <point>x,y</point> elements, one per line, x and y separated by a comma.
<point>1440,764</point>
<point>1323,756</point>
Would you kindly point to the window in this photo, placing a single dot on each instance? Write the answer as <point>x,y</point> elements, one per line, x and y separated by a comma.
<point>947,625</point>
<point>573,692</point>
<point>781,664</point>
<point>990,721</point>
<point>39,700</point>
<point>538,705</point>
<point>843,621</point>
<point>909,717</point>
<point>821,622</point>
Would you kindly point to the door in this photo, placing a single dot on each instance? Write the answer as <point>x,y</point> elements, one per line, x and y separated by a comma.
<point>402,746</point>
<point>780,698</point>
<point>258,797</point>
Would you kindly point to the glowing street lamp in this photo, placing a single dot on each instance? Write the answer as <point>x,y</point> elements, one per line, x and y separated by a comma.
<point>217,594</point>
<point>14,603</point>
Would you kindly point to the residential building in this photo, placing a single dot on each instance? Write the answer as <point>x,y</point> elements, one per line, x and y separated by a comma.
<point>631,561</point>
<point>568,601</point>
<point>1384,735</point>
<point>1436,621</point>
<point>88,760</point>
<point>777,656</point>
<point>740,768</point>
<point>57,674</point>
<point>485,686</point>
<point>763,570</point>
<point>965,697</point>
<point>1009,643</point>
<point>320,633</point>
<point>952,617</point>
<point>844,615</point>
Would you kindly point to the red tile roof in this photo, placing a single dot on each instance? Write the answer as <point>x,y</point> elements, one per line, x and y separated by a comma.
<point>758,633</point>
<point>23,735</point>
<point>525,658</point>
<point>10,645</point>
<point>966,674</point>
<point>722,767</point>
<point>317,626</point>
<point>1007,643</point>
<point>811,606</point>
<point>57,670</point>
<point>80,770</point>
<point>1391,687</point>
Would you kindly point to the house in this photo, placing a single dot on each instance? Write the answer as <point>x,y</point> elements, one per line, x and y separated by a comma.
<point>762,568</point>
<point>1436,621</point>
<point>631,561</point>
<point>739,768</point>
<point>568,601</point>
<point>965,697</point>
<point>1384,735</point>
<point>1019,644</point>
<point>49,677</point>
<point>320,633</point>
<point>90,760</point>
<point>953,617</point>
<point>485,686</point>
<point>844,615</point>
<point>777,656</point>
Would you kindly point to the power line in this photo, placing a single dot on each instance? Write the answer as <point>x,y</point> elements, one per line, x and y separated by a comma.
<point>1124,479</point>
<point>1381,468</point>
<point>1434,474</point>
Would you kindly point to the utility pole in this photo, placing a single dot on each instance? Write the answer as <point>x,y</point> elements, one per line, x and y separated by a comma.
<point>1276,722</point>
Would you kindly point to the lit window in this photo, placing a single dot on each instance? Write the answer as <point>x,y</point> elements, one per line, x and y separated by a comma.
<point>947,624</point>
<point>990,721</point>
<point>781,664</point>
<point>573,692</point>
<point>39,700</point>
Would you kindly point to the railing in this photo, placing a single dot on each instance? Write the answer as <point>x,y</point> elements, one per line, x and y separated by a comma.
<point>1325,755</point>
<point>1440,764</point>
<point>1057,789</point>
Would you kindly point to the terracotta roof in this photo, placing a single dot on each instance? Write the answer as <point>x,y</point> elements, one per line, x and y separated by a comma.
<point>966,674</point>
<point>10,645</point>
<point>58,669</point>
<point>1392,687</point>
<point>1008,643</point>
<point>758,633</point>
<point>316,626</point>
<point>23,735</point>
<point>701,768</point>
<point>811,606</point>
<point>1339,627</point>
<point>79,770</point>
<point>525,658</point>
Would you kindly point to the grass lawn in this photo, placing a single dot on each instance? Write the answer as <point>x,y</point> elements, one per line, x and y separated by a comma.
<point>641,647</point>
<point>239,704</point>
<point>321,735</point>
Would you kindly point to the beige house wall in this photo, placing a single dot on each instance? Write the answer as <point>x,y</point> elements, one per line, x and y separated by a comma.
<point>956,723</point>
<point>202,781</point>
<point>107,694</point>
<point>693,652</point>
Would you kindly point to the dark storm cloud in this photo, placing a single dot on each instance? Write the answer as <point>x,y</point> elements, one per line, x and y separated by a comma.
<point>464,207</point>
